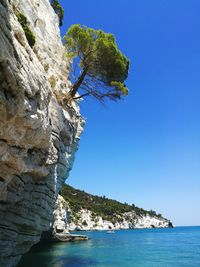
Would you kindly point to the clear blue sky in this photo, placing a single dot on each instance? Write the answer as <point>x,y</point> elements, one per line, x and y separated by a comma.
<point>146,150</point>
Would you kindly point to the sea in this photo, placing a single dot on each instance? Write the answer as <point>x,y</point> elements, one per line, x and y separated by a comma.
<point>169,247</point>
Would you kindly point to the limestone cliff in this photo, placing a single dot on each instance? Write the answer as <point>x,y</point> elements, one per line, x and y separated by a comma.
<point>87,220</point>
<point>38,137</point>
<point>66,220</point>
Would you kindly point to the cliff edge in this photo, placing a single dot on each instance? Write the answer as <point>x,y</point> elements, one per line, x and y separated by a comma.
<point>38,137</point>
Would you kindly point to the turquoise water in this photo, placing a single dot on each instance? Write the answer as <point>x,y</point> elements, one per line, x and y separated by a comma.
<point>174,247</point>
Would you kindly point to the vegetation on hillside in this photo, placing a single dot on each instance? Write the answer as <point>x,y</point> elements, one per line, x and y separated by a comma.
<point>98,67</point>
<point>106,208</point>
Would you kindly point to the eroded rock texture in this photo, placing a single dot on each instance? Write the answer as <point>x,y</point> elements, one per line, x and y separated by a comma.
<point>38,138</point>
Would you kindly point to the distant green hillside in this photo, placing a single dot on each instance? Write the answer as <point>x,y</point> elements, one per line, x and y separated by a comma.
<point>102,206</point>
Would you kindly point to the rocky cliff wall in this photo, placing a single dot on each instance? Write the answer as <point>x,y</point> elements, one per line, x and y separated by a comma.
<point>84,220</point>
<point>38,137</point>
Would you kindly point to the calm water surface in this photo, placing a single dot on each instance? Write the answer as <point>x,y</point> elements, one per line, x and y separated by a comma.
<point>177,247</point>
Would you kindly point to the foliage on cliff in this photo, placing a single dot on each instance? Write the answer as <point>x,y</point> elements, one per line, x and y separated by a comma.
<point>102,206</point>
<point>98,67</point>
<point>58,10</point>
<point>24,23</point>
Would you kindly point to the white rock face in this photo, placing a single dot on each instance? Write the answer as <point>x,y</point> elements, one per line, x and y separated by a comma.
<point>149,222</point>
<point>86,220</point>
<point>62,215</point>
<point>38,138</point>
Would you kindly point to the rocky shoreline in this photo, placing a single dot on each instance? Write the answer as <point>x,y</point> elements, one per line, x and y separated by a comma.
<point>67,237</point>
<point>66,221</point>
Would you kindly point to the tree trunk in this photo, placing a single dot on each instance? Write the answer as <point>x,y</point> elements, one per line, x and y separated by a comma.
<point>78,82</point>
